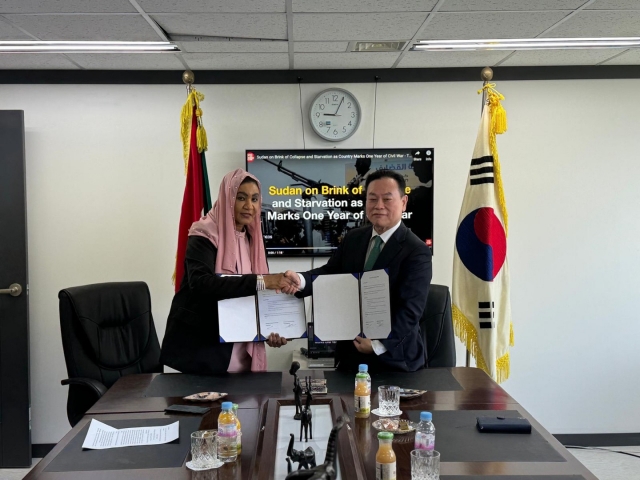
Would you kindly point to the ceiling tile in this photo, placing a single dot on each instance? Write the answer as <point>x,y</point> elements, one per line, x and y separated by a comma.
<point>235,47</point>
<point>258,25</point>
<point>614,5</point>
<point>208,6</point>
<point>66,6</point>
<point>86,27</point>
<point>447,26</point>
<point>594,23</point>
<point>133,61</point>
<point>509,5</point>
<point>327,6</point>
<point>318,61</point>
<point>631,57</point>
<point>237,61</point>
<point>37,61</point>
<point>560,57</point>
<point>356,26</point>
<point>319,47</point>
<point>9,32</point>
<point>451,59</point>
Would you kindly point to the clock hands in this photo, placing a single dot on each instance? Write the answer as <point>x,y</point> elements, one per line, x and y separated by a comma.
<point>339,105</point>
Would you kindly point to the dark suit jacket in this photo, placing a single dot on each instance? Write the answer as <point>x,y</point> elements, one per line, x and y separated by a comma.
<point>408,261</point>
<point>191,342</point>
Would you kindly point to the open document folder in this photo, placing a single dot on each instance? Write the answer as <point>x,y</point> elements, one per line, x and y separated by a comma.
<point>350,304</point>
<point>252,319</point>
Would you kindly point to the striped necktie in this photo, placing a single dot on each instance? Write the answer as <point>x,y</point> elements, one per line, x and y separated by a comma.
<point>374,253</point>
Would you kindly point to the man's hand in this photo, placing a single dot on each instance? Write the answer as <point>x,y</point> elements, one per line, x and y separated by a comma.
<point>290,283</point>
<point>275,340</point>
<point>363,345</point>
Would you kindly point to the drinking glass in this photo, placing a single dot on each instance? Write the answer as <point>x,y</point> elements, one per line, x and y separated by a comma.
<point>204,450</point>
<point>425,465</point>
<point>388,400</point>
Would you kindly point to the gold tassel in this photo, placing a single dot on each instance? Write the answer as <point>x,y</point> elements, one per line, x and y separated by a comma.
<point>498,125</point>
<point>193,101</point>
<point>503,368</point>
<point>511,342</point>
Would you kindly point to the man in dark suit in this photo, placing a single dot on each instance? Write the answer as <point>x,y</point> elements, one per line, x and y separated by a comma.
<point>386,243</point>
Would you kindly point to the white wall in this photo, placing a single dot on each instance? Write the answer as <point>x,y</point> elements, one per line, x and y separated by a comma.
<point>105,182</point>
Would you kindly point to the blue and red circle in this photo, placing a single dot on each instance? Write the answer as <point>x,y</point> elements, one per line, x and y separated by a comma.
<point>482,243</point>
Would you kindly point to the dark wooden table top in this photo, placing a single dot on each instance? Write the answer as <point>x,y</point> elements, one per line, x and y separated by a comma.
<point>126,400</point>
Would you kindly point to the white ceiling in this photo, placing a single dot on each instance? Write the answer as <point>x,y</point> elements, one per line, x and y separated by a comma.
<point>312,34</point>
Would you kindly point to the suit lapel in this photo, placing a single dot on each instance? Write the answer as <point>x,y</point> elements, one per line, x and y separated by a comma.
<point>361,247</point>
<point>392,248</point>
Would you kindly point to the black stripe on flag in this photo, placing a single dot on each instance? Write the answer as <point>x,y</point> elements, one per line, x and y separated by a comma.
<point>479,171</point>
<point>478,161</point>
<point>485,304</point>
<point>486,324</point>
<point>485,314</point>
<point>478,181</point>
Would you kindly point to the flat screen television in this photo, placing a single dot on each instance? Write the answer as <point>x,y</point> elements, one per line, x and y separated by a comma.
<point>312,198</point>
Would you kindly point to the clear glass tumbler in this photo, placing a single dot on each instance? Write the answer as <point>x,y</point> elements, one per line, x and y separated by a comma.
<point>204,450</point>
<point>388,400</point>
<point>425,465</point>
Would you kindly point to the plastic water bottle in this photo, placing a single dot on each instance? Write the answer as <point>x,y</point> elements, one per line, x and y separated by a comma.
<point>227,434</point>
<point>362,393</point>
<point>425,433</point>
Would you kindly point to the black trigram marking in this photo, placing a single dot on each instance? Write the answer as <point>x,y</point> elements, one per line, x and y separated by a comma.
<point>481,170</point>
<point>485,312</point>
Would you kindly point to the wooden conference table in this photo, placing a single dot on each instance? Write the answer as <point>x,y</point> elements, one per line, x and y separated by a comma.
<point>493,456</point>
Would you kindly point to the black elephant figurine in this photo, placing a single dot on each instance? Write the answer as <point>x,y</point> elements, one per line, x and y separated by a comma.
<point>306,458</point>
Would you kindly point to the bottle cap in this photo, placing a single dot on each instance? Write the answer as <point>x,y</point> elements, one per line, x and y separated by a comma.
<point>227,405</point>
<point>363,367</point>
<point>385,436</point>
<point>425,416</point>
<point>236,406</point>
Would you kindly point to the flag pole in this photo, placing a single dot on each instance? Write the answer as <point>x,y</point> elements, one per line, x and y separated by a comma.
<point>486,75</point>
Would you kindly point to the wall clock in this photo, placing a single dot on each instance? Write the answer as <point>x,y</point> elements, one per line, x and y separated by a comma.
<point>335,114</point>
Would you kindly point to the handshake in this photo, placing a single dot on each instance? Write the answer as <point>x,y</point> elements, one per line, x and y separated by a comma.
<point>287,282</point>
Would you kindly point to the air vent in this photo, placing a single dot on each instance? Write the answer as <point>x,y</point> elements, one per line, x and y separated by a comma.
<point>378,46</point>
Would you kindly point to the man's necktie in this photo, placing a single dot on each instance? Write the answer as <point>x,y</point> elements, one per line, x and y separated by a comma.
<point>374,253</point>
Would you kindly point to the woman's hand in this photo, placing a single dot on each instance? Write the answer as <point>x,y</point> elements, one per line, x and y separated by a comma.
<point>276,341</point>
<point>280,282</point>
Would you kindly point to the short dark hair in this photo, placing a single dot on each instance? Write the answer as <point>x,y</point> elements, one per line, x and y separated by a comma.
<point>384,173</point>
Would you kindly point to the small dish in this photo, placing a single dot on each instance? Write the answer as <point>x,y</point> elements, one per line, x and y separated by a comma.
<point>408,393</point>
<point>190,466</point>
<point>376,411</point>
<point>393,425</point>
<point>205,397</point>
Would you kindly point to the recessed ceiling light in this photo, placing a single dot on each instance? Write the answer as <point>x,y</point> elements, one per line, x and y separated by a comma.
<point>526,44</point>
<point>379,46</point>
<point>86,47</point>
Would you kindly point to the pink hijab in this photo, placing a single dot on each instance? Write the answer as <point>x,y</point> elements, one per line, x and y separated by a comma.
<point>219,226</point>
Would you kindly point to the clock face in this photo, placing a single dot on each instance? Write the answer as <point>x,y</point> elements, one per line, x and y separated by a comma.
<point>335,114</point>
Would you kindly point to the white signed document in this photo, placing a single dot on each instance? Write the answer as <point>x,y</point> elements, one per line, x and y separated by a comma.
<point>101,435</point>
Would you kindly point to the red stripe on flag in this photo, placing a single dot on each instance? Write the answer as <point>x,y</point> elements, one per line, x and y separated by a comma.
<point>192,200</point>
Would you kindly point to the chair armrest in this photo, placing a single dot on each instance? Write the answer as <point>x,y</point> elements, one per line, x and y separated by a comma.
<point>98,388</point>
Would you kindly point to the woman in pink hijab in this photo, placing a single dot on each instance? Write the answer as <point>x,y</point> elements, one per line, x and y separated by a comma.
<point>228,240</point>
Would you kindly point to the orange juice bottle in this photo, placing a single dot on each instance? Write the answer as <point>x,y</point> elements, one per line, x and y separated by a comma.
<point>239,438</point>
<point>362,393</point>
<point>227,434</point>
<point>385,458</point>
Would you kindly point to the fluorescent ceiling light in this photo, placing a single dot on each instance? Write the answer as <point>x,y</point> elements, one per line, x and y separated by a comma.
<point>526,44</point>
<point>86,47</point>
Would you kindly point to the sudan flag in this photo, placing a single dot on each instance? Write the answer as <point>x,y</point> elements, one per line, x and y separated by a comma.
<point>481,304</point>
<point>196,200</point>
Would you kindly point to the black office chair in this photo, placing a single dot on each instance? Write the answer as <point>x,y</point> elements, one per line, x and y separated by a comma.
<point>436,327</point>
<point>107,332</point>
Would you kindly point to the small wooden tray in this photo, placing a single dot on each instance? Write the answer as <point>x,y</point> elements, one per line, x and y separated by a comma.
<point>205,397</point>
